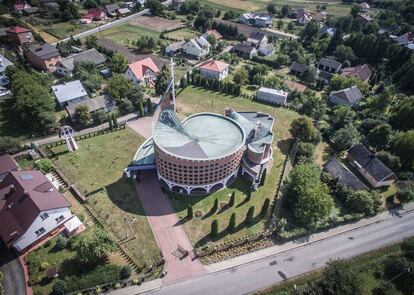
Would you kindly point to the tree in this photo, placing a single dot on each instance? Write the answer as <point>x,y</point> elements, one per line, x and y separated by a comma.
<point>391,161</point>
<point>271,8</point>
<point>263,178</point>
<point>364,202</point>
<point>215,206</point>
<point>44,165</point>
<point>125,272</point>
<point>61,243</point>
<point>155,7</point>
<point>342,116</point>
<point>149,105</point>
<point>126,106</point>
<point>111,124</point>
<point>280,24</point>
<point>306,196</point>
<point>59,287</point>
<point>162,81</point>
<point>265,207</point>
<point>114,120</point>
<point>341,278</point>
<point>305,152</point>
<point>91,42</point>
<point>118,87</point>
<point>309,76</point>
<point>355,9</point>
<point>402,115</point>
<point>303,129</point>
<point>82,114</point>
<point>93,248</point>
<point>232,223</point>
<point>118,63</point>
<point>190,211</point>
<point>407,247</point>
<point>241,76</point>
<point>346,137</point>
<point>343,53</point>
<point>380,136</point>
<point>402,145</point>
<point>146,44</point>
<point>232,199</point>
<point>285,10</point>
<point>405,195</point>
<point>249,215</point>
<point>214,228</point>
<point>10,145</point>
<point>141,109</point>
<point>310,33</point>
<point>339,82</point>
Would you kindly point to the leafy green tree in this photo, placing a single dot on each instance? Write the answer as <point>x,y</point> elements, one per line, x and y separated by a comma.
<point>10,144</point>
<point>59,287</point>
<point>265,207</point>
<point>364,202</point>
<point>232,223</point>
<point>402,115</point>
<point>215,206</point>
<point>391,161</point>
<point>149,105</point>
<point>380,136</point>
<point>241,76</point>
<point>342,116</point>
<point>310,33</point>
<point>190,211</point>
<point>61,243</point>
<point>305,152</point>
<point>232,199</point>
<point>249,215</point>
<point>146,44</point>
<point>141,109</point>
<point>118,87</point>
<point>306,196</point>
<point>271,8</point>
<point>118,63</point>
<point>163,78</point>
<point>309,76</point>
<point>214,228</point>
<point>405,195</point>
<point>343,53</point>
<point>82,114</point>
<point>91,41</point>
<point>355,9</point>
<point>125,272</point>
<point>408,248</point>
<point>341,278</point>
<point>384,288</point>
<point>280,24</point>
<point>339,82</point>
<point>114,120</point>
<point>402,145</point>
<point>263,178</point>
<point>155,7</point>
<point>93,248</point>
<point>285,10</point>
<point>126,106</point>
<point>111,124</point>
<point>346,137</point>
<point>303,129</point>
<point>44,165</point>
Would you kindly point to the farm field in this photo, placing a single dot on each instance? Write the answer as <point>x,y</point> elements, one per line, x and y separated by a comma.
<point>156,23</point>
<point>126,33</point>
<point>96,169</point>
<point>181,34</point>
<point>192,100</point>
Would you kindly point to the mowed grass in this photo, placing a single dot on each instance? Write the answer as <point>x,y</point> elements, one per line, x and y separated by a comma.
<point>96,169</point>
<point>65,30</point>
<point>193,100</point>
<point>181,34</point>
<point>126,33</point>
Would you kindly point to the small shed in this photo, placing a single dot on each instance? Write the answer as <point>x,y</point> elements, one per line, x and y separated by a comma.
<point>73,226</point>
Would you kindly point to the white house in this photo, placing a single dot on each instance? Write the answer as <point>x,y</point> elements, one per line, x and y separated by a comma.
<point>70,92</point>
<point>142,71</point>
<point>214,69</point>
<point>197,47</point>
<point>272,95</point>
<point>31,208</point>
<point>304,19</point>
<point>256,19</point>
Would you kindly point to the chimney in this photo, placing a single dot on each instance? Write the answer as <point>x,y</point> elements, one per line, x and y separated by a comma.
<point>12,189</point>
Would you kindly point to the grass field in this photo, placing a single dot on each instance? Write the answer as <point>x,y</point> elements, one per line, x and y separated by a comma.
<point>126,33</point>
<point>96,169</point>
<point>193,100</point>
<point>181,34</point>
<point>65,30</point>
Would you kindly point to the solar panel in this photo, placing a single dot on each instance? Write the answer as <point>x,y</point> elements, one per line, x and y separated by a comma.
<point>26,176</point>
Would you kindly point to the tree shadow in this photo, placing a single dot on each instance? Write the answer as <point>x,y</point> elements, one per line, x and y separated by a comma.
<point>284,145</point>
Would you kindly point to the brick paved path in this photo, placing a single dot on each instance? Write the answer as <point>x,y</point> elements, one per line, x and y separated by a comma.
<point>168,233</point>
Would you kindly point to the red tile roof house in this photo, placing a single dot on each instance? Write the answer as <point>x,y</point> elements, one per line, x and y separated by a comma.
<point>30,208</point>
<point>7,164</point>
<point>19,7</point>
<point>94,14</point>
<point>19,35</point>
<point>142,71</point>
<point>214,69</point>
<point>362,72</point>
<point>214,33</point>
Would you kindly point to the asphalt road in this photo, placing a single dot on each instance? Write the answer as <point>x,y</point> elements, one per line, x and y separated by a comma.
<point>13,280</point>
<point>271,270</point>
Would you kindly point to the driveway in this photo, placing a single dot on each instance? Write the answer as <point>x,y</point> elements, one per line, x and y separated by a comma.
<point>13,274</point>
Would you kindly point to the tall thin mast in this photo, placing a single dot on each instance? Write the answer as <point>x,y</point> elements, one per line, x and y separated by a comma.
<point>172,82</point>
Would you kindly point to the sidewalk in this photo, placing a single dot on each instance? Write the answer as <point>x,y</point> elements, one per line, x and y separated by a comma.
<point>265,253</point>
<point>135,289</point>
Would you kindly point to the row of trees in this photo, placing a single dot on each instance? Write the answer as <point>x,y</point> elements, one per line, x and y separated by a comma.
<point>213,84</point>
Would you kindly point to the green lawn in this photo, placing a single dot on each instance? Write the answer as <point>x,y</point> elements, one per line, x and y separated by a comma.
<point>65,30</point>
<point>126,33</point>
<point>193,100</point>
<point>96,169</point>
<point>181,34</point>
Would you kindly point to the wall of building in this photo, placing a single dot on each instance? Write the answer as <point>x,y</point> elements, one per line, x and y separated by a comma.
<point>271,98</point>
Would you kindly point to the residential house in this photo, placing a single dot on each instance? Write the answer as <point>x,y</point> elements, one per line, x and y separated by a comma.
<point>298,69</point>
<point>123,11</point>
<point>257,39</point>
<point>111,9</point>
<point>365,18</point>
<point>30,208</point>
<point>4,63</point>
<point>320,16</point>
<point>256,19</point>
<point>93,14</point>
<point>362,72</point>
<point>323,76</point>
<point>66,65</point>
<point>43,57</point>
<point>272,96</point>
<point>197,47</point>
<point>100,103</point>
<point>175,48</point>
<point>214,69</point>
<point>19,7</point>
<point>30,10</point>
<point>19,35</point>
<point>364,6</point>
<point>175,4</point>
<point>348,96</point>
<point>7,164</point>
<point>214,33</point>
<point>266,50</point>
<point>370,167</point>
<point>405,39</point>
<point>246,18</point>
<point>345,176</point>
<point>329,65</point>
<point>295,86</point>
<point>245,50</point>
<point>69,93</point>
<point>142,71</point>
<point>302,16</point>
<point>330,31</point>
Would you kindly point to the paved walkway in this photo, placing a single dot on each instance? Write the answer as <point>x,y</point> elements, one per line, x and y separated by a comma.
<point>142,126</point>
<point>165,226</point>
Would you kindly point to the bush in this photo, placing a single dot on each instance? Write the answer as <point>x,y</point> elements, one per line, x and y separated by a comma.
<point>44,165</point>
<point>44,266</point>
<point>125,272</point>
<point>60,287</point>
<point>47,243</point>
<point>405,195</point>
<point>232,223</point>
<point>61,243</point>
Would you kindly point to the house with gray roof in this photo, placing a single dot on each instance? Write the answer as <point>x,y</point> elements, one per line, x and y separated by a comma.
<point>298,69</point>
<point>370,167</point>
<point>174,48</point>
<point>348,96</point>
<point>197,47</point>
<point>342,174</point>
<point>330,31</point>
<point>4,63</point>
<point>66,65</point>
<point>101,103</point>
<point>257,39</point>
<point>69,93</point>
<point>111,9</point>
<point>245,50</point>
<point>329,65</point>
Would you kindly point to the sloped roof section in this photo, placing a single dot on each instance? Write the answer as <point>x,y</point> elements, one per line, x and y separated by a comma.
<point>139,67</point>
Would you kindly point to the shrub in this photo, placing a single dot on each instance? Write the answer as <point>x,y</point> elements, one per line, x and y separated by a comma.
<point>214,228</point>
<point>44,165</point>
<point>125,272</point>
<point>190,212</point>
<point>60,287</point>
<point>405,195</point>
<point>232,223</point>
<point>61,243</point>
<point>249,215</point>
<point>44,266</point>
<point>47,243</point>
